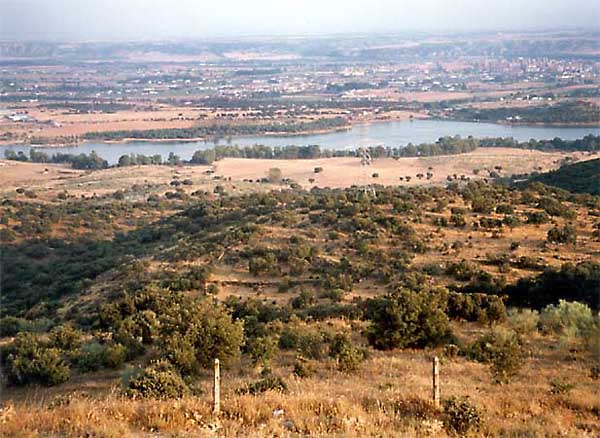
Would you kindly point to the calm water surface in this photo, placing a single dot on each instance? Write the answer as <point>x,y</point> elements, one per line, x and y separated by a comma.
<point>392,134</point>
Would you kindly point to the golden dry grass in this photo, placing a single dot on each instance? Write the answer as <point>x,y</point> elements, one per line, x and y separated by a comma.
<point>47,180</point>
<point>380,399</point>
<point>345,172</point>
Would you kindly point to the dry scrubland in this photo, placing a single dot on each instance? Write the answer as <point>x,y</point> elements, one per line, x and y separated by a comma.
<point>553,394</point>
<point>388,396</point>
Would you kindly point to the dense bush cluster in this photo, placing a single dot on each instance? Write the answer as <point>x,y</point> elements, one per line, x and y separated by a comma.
<point>189,331</point>
<point>579,282</point>
<point>565,234</point>
<point>406,319</point>
<point>159,380</point>
<point>29,360</point>
<point>48,360</point>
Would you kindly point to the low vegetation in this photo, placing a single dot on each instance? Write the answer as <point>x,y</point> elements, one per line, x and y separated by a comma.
<point>324,307</point>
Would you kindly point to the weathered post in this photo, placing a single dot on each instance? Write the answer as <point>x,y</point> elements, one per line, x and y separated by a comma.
<point>436,381</point>
<point>217,388</point>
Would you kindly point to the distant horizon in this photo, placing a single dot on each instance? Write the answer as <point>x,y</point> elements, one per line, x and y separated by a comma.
<point>313,35</point>
<point>158,20</point>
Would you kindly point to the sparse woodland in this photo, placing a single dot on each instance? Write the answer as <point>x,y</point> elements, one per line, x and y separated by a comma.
<point>325,308</point>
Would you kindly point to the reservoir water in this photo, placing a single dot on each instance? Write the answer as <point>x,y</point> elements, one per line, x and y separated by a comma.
<point>391,134</point>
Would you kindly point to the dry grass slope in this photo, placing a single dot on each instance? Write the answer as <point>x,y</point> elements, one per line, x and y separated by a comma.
<point>388,396</point>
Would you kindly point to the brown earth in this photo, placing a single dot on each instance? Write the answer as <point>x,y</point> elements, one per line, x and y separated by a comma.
<point>345,172</point>
<point>47,180</point>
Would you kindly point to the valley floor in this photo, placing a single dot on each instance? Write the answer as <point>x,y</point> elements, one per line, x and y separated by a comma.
<point>234,173</point>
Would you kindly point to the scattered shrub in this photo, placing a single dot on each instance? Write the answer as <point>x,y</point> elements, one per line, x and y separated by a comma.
<point>415,408</point>
<point>555,208</point>
<point>312,346</point>
<point>451,350</point>
<point>500,348</point>
<point>505,209</point>
<point>288,339</point>
<point>560,386</point>
<point>269,382</point>
<point>461,417</point>
<point>194,337</point>
<point>537,217</point>
<point>347,355</point>
<point>275,175</point>
<point>336,295</point>
<point>159,380</point>
<point>11,325</point>
<point>261,349</point>
<point>212,289</point>
<point>482,204</point>
<point>458,220</point>
<point>90,358</point>
<point>523,320</point>
<point>303,368</point>
<point>572,322</point>
<point>114,355</point>
<point>303,300</point>
<point>65,337</point>
<point>566,317</point>
<point>566,235</point>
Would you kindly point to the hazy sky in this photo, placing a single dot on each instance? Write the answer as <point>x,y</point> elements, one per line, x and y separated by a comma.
<point>157,19</point>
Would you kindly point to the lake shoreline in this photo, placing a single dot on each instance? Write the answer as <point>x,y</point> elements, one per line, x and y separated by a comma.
<point>349,127</point>
<point>130,140</point>
<point>364,133</point>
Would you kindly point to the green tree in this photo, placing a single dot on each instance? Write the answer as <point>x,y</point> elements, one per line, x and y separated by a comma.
<point>566,235</point>
<point>27,360</point>
<point>407,319</point>
<point>196,331</point>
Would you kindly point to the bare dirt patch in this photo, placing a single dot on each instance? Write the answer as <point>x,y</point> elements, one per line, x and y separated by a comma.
<point>16,174</point>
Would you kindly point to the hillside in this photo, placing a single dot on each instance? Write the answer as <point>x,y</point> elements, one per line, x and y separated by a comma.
<point>298,293</point>
<point>578,177</point>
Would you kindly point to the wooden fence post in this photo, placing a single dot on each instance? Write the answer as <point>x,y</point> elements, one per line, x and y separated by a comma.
<point>436,381</point>
<point>217,388</point>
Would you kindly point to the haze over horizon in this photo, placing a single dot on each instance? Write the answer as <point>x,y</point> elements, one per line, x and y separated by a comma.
<point>118,20</point>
